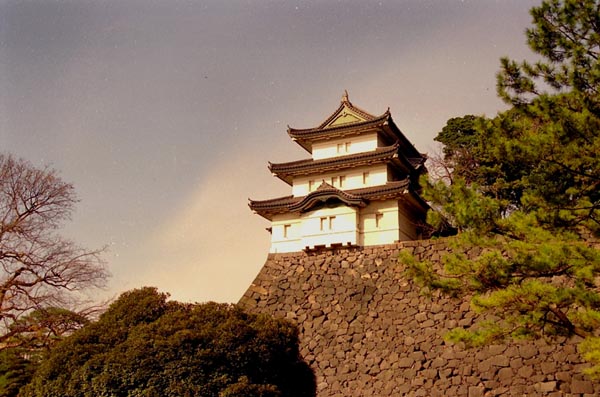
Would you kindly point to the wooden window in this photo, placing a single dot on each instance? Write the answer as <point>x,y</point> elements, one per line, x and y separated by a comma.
<point>334,181</point>
<point>342,180</point>
<point>365,178</point>
<point>327,223</point>
<point>343,147</point>
<point>311,185</point>
<point>286,231</point>
<point>378,218</point>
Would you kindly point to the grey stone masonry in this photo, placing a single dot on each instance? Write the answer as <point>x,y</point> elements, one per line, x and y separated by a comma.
<point>368,331</point>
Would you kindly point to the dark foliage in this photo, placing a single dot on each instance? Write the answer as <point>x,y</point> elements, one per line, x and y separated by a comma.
<point>15,371</point>
<point>145,345</point>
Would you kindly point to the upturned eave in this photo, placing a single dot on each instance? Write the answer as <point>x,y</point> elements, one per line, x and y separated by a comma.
<point>388,154</point>
<point>353,197</point>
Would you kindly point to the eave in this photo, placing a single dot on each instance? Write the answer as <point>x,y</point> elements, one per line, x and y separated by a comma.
<point>388,154</point>
<point>306,137</point>
<point>354,197</point>
<point>383,125</point>
<point>325,192</point>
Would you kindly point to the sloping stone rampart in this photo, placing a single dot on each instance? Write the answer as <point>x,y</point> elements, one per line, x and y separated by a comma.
<point>368,331</point>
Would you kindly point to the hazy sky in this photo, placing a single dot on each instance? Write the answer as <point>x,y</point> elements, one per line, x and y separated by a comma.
<point>164,113</point>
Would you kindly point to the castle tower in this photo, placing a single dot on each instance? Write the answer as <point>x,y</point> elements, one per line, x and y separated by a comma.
<point>359,188</point>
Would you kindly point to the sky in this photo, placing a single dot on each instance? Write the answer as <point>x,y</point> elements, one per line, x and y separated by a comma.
<point>164,113</point>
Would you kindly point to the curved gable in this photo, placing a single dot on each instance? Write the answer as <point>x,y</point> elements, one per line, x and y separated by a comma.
<point>327,193</point>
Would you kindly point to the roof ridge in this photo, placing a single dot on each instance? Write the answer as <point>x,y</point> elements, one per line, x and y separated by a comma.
<point>362,112</point>
<point>345,102</point>
<point>331,117</point>
<point>382,117</point>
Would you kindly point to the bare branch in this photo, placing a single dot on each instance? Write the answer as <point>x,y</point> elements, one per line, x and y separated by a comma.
<point>39,269</point>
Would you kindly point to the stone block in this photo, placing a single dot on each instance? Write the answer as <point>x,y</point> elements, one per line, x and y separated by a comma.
<point>430,373</point>
<point>420,381</point>
<point>417,355</point>
<point>491,384</point>
<point>527,351</point>
<point>467,370</point>
<point>582,387</point>
<point>505,376</point>
<point>525,371</point>
<point>476,391</point>
<point>490,374</point>
<point>516,363</point>
<point>420,317</point>
<point>500,361</point>
<point>563,376</point>
<point>440,317</point>
<point>438,362</point>
<point>545,387</point>
<point>484,365</point>
<point>495,350</point>
<point>548,367</point>
<point>405,362</point>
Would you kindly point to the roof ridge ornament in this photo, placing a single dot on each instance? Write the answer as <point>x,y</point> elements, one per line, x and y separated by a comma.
<point>345,97</point>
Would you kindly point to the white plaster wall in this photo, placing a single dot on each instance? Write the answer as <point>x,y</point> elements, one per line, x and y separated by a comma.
<point>351,225</point>
<point>281,243</point>
<point>378,175</point>
<point>387,232</point>
<point>365,142</point>
<point>344,229</point>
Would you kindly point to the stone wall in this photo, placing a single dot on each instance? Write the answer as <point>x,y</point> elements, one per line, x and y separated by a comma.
<point>368,331</point>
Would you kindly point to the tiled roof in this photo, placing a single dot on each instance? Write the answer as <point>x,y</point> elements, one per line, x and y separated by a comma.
<point>351,160</point>
<point>323,193</point>
<point>307,133</point>
<point>416,162</point>
<point>354,197</point>
<point>384,125</point>
<point>286,171</point>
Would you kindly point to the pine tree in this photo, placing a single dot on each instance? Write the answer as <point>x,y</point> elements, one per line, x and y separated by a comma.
<point>530,200</point>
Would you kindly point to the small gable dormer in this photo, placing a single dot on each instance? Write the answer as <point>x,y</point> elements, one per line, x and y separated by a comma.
<point>346,113</point>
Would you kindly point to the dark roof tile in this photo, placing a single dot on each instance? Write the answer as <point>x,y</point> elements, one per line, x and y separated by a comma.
<point>359,197</point>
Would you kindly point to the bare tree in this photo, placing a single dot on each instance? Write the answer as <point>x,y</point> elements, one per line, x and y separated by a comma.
<point>40,269</point>
<point>439,169</point>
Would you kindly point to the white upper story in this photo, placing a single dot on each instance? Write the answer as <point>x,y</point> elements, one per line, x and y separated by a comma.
<point>355,178</point>
<point>345,146</point>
